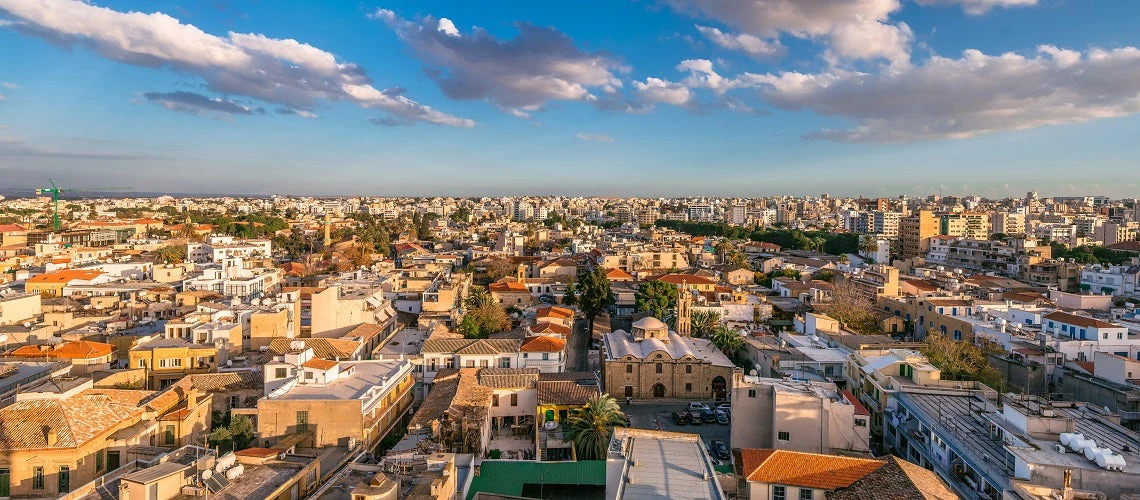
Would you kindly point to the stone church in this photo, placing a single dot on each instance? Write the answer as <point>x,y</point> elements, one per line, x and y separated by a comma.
<point>652,362</point>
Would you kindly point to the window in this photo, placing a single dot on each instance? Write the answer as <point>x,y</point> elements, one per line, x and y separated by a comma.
<point>483,363</point>
<point>99,460</point>
<point>235,401</point>
<point>302,421</point>
<point>514,399</point>
<point>860,422</point>
<point>37,478</point>
<point>688,368</point>
<point>308,375</point>
<point>545,356</point>
<point>494,400</point>
<point>784,436</point>
<point>471,363</point>
<point>1083,334</point>
<point>751,393</point>
<point>168,435</point>
<point>779,493</point>
<point>629,368</point>
<point>806,494</point>
<point>658,367</point>
<point>64,479</point>
<point>281,373</point>
<point>176,362</point>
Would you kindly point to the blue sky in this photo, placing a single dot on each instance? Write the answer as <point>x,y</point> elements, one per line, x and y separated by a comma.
<point>650,97</point>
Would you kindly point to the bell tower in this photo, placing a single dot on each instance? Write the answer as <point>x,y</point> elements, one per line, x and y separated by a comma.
<point>684,312</point>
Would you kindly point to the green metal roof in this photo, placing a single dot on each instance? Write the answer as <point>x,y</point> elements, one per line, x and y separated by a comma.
<point>508,477</point>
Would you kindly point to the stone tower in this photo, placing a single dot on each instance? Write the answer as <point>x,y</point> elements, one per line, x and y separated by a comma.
<point>520,273</point>
<point>684,310</point>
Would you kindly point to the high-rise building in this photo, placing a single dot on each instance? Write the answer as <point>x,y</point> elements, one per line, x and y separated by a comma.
<point>915,232</point>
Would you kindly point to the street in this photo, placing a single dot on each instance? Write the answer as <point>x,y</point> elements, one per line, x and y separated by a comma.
<point>652,415</point>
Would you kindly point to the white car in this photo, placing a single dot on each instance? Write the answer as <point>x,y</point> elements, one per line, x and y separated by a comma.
<point>725,407</point>
<point>697,406</point>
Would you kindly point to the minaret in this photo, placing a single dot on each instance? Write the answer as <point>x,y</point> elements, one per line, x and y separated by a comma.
<point>683,313</point>
<point>328,235</point>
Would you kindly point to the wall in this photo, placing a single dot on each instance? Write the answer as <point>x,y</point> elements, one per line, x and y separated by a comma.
<point>332,422</point>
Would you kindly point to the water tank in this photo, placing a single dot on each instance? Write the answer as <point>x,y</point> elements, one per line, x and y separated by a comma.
<point>1088,444</point>
<point>1092,451</point>
<point>235,471</point>
<point>1067,437</point>
<point>1109,460</point>
<point>1077,442</point>
<point>206,474</point>
<point>225,462</point>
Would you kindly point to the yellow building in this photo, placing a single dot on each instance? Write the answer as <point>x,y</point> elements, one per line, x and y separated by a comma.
<point>52,284</point>
<point>168,360</point>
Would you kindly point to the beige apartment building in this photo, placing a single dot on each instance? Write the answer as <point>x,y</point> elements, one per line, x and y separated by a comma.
<point>341,403</point>
<point>812,417</point>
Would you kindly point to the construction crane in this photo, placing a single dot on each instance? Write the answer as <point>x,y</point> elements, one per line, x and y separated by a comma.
<point>54,191</point>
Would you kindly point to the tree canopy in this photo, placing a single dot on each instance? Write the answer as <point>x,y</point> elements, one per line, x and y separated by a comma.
<point>655,298</point>
<point>594,294</point>
<point>591,428</point>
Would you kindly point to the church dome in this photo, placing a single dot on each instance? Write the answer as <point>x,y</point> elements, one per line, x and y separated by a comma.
<point>649,323</point>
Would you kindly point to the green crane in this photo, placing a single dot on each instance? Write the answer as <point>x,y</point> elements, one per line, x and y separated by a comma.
<point>54,192</point>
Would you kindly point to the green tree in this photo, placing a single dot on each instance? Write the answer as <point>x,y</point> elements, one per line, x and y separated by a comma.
<point>656,298</point>
<point>729,341</point>
<point>570,297</point>
<point>702,322</point>
<point>961,360</point>
<point>478,297</point>
<point>591,428</point>
<point>484,320</point>
<point>851,308</point>
<point>170,254</point>
<point>594,294</point>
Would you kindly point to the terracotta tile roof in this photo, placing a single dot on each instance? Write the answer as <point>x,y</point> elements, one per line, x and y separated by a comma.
<point>508,378</point>
<point>554,311</point>
<point>80,349</point>
<point>322,348</point>
<point>65,276</point>
<point>456,392</point>
<point>508,286</point>
<point>897,480</point>
<point>320,364</point>
<point>227,381</point>
<point>618,274</point>
<point>11,228</point>
<point>808,470</point>
<point>949,302</point>
<point>859,409</point>
<point>547,327</point>
<point>258,452</point>
<point>75,420</point>
<point>490,346</point>
<point>542,343</point>
<point>565,392</point>
<point>365,331</point>
<point>1073,319</point>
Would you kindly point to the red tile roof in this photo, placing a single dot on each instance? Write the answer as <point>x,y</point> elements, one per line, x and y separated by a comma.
<point>508,286</point>
<point>554,311</point>
<point>807,470</point>
<point>618,274</point>
<point>81,349</point>
<point>320,364</point>
<point>542,343</point>
<point>548,327</point>
<point>65,276</point>
<point>11,228</point>
<point>859,409</point>
<point>1073,319</point>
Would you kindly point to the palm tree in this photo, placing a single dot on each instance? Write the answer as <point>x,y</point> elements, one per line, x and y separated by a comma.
<point>868,245</point>
<point>728,341</point>
<point>722,248</point>
<point>478,297</point>
<point>704,322</point>
<point>591,428</point>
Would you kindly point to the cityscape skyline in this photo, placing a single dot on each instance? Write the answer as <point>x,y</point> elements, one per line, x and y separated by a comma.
<point>661,98</point>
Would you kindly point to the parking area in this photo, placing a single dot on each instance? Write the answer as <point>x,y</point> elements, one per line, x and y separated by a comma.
<point>658,416</point>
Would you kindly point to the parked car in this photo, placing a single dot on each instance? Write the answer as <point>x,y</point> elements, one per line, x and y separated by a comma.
<point>708,416</point>
<point>721,417</point>
<point>697,406</point>
<point>696,417</point>
<point>727,407</point>
<point>719,449</point>
<point>680,418</point>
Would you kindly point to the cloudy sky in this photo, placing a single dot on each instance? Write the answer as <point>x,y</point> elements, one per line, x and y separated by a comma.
<point>616,97</point>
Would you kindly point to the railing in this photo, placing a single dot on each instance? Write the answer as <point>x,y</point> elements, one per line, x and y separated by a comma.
<point>100,483</point>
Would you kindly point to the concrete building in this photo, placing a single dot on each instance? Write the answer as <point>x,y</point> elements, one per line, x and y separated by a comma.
<point>781,414</point>
<point>645,464</point>
<point>915,232</point>
<point>17,308</point>
<point>341,403</point>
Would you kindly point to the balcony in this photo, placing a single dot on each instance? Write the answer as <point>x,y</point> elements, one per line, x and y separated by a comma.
<point>552,443</point>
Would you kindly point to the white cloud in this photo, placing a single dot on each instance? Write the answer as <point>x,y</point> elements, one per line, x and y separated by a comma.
<point>655,90</point>
<point>197,104</point>
<point>14,147</point>
<point>594,137</point>
<point>9,85</point>
<point>963,97</point>
<point>754,46</point>
<point>978,7</point>
<point>518,75</point>
<point>857,29</point>
<point>285,72</point>
<point>447,27</point>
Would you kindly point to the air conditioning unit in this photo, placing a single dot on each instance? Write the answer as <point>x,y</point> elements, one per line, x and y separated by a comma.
<point>1060,447</point>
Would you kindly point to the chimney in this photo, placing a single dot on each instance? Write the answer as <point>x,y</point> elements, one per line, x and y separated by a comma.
<point>50,436</point>
<point>1067,490</point>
